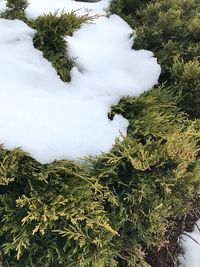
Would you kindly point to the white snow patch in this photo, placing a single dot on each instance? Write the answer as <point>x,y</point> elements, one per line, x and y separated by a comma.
<point>51,119</point>
<point>190,248</point>
<point>39,7</point>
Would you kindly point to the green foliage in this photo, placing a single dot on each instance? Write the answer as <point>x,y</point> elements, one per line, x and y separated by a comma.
<point>51,31</point>
<point>127,8</point>
<point>154,172</point>
<point>65,214</point>
<point>50,38</point>
<point>186,77</point>
<point>171,30</point>
<point>15,9</point>
<point>53,215</point>
<point>109,209</point>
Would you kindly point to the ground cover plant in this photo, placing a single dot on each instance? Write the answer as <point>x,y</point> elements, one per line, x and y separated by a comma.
<point>68,111</point>
<point>107,211</point>
<point>50,32</point>
<point>171,30</point>
<point>15,10</point>
<point>44,222</point>
<point>155,171</point>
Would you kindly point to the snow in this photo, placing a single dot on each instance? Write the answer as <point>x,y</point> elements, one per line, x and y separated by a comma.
<point>190,248</point>
<point>51,119</point>
<point>39,7</point>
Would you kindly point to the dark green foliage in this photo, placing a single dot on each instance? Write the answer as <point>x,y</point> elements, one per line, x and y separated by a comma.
<point>170,29</point>
<point>50,38</point>
<point>15,9</point>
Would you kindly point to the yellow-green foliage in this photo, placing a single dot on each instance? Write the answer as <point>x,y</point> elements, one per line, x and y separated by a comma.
<point>49,38</point>
<point>53,215</point>
<point>186,76</point>
<point>154,172</point>
<point>171,29</point>
<point>51,30</point>
<point>106,210</point>
<point>96,214</point>
<point>15,9</point>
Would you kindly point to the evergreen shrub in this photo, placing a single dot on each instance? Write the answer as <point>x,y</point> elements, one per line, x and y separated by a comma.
<point>53,214</point>
<point>154,172</point>
<point>15,9</point>
<point>171,30</point>
<point>51,31</point>
<point>111,207</point>
<point>50,38</point>
<point>107,210</point>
